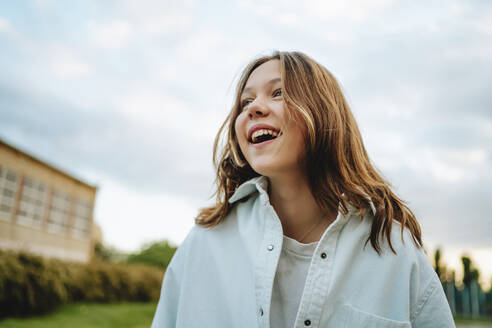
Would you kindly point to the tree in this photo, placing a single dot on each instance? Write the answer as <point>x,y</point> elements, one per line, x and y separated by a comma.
<point>466,270</point>
<point>470,273</point>
<point>440,270</point>
<point>107,253</point>
<point>157,254</point>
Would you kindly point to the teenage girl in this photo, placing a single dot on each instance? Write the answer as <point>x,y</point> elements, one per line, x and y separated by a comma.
<point>304,232</point>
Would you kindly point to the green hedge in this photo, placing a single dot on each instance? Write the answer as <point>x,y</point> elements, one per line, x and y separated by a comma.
<point>30,284</point>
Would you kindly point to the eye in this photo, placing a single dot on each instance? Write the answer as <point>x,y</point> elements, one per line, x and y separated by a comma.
<point>277,93</point>
<point>245,103</point>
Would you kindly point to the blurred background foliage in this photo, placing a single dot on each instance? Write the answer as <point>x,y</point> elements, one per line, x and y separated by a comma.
<point>33,285</point>
<point>466,297</point>
<point>157,254</point>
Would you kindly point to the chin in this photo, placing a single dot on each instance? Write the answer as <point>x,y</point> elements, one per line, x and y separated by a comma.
<point>267,170</point>
<point>275,168</point>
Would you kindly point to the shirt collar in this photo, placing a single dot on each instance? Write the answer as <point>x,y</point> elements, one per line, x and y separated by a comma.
<point>259,184</point>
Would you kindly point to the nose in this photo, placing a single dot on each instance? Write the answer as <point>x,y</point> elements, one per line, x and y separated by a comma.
<point>257,109</point>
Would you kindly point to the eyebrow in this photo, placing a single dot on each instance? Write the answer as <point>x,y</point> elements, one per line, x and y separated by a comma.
<point>272,81</point>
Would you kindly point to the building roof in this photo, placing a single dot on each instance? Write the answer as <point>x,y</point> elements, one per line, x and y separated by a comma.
<point>44,163</point>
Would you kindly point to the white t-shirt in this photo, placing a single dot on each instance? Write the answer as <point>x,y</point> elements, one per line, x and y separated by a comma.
<point>290,278</point>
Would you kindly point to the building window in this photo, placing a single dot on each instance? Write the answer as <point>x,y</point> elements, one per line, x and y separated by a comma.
<point>8,190</point>
<point>82,219</point>
<point>59,212</point>
<point>32,203</point>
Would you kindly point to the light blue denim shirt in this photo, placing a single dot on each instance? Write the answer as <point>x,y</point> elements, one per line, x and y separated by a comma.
<point>223,276</point>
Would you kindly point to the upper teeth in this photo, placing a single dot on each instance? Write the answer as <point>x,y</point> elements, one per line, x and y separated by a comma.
<point>261,132</point>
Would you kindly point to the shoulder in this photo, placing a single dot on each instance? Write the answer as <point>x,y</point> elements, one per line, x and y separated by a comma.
<point>195,240</point>
<point>202,242</point>
<point>186,246</point>
<point>410,262</point>
<point>409,258</point>
<point>192,246</point>
<point>408,251</point>
<point>401,238</point>
<point>402,241</point>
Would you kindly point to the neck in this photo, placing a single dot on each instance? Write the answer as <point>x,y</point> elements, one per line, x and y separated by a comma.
<point>301,217</point>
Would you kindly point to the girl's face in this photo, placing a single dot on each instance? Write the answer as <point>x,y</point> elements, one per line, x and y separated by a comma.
<point>271,143</point>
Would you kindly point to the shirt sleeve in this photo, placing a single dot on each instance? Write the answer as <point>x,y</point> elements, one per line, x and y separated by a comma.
<point>167,310</point>
<point>433,309</point>
<point>167,307</point>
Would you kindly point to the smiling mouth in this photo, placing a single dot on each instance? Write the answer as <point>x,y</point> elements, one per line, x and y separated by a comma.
<point>263,135</point>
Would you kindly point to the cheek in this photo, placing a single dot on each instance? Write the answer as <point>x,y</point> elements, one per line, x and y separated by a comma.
<point>238,133</point>
<point>240,128</point>
<point>299,142</point>
<point>237,127</point>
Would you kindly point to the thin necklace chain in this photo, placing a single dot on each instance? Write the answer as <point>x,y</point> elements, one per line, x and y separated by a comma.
<point>311,230</point>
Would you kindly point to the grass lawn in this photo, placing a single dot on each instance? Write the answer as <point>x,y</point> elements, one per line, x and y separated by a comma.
<point>468,322</point>
<point>127,315</point>
<point>90,315</point>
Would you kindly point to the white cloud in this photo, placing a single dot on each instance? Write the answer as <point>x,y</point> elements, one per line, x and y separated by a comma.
<point>43,4</point>
<point>152,109</point>
<point>112,35</point>
<point>483,25</point>
<point>452,166</point>
<point>287,18</point>
<point>66,63</point>
<point>193,49</point>
<point>355,10</point>
<point>478,49</point>
<point>158,114</point>
<point>286,15</point>
<point>4,24</point>
<point>486,128</point>
<point>403,103</point>
<point>158,18</point>
<point>445,172</point>
<point>159,25</point>
<point>5,27</point>
<point>133,21</point>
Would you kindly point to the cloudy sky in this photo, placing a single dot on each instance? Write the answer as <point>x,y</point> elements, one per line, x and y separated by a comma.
<point>128,95</point>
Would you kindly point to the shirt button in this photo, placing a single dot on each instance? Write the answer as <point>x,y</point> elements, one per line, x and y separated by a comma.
<point>323,255</point>
<point>270,247</point>
<point>261,312</point>
<point>307,322</point>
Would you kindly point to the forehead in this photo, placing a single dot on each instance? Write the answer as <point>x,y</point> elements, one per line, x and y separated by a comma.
<point>263,74</point>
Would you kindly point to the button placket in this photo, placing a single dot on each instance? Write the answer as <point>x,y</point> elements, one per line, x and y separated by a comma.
<point>266,269</point>
<point>311,307</point>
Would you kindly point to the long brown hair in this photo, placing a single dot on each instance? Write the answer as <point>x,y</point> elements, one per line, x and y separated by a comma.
<point>337,167</point>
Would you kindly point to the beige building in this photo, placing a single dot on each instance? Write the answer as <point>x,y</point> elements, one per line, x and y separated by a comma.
<point>43,209</point>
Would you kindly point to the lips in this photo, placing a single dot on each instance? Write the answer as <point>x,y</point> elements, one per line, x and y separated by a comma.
<point>257,127</point>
